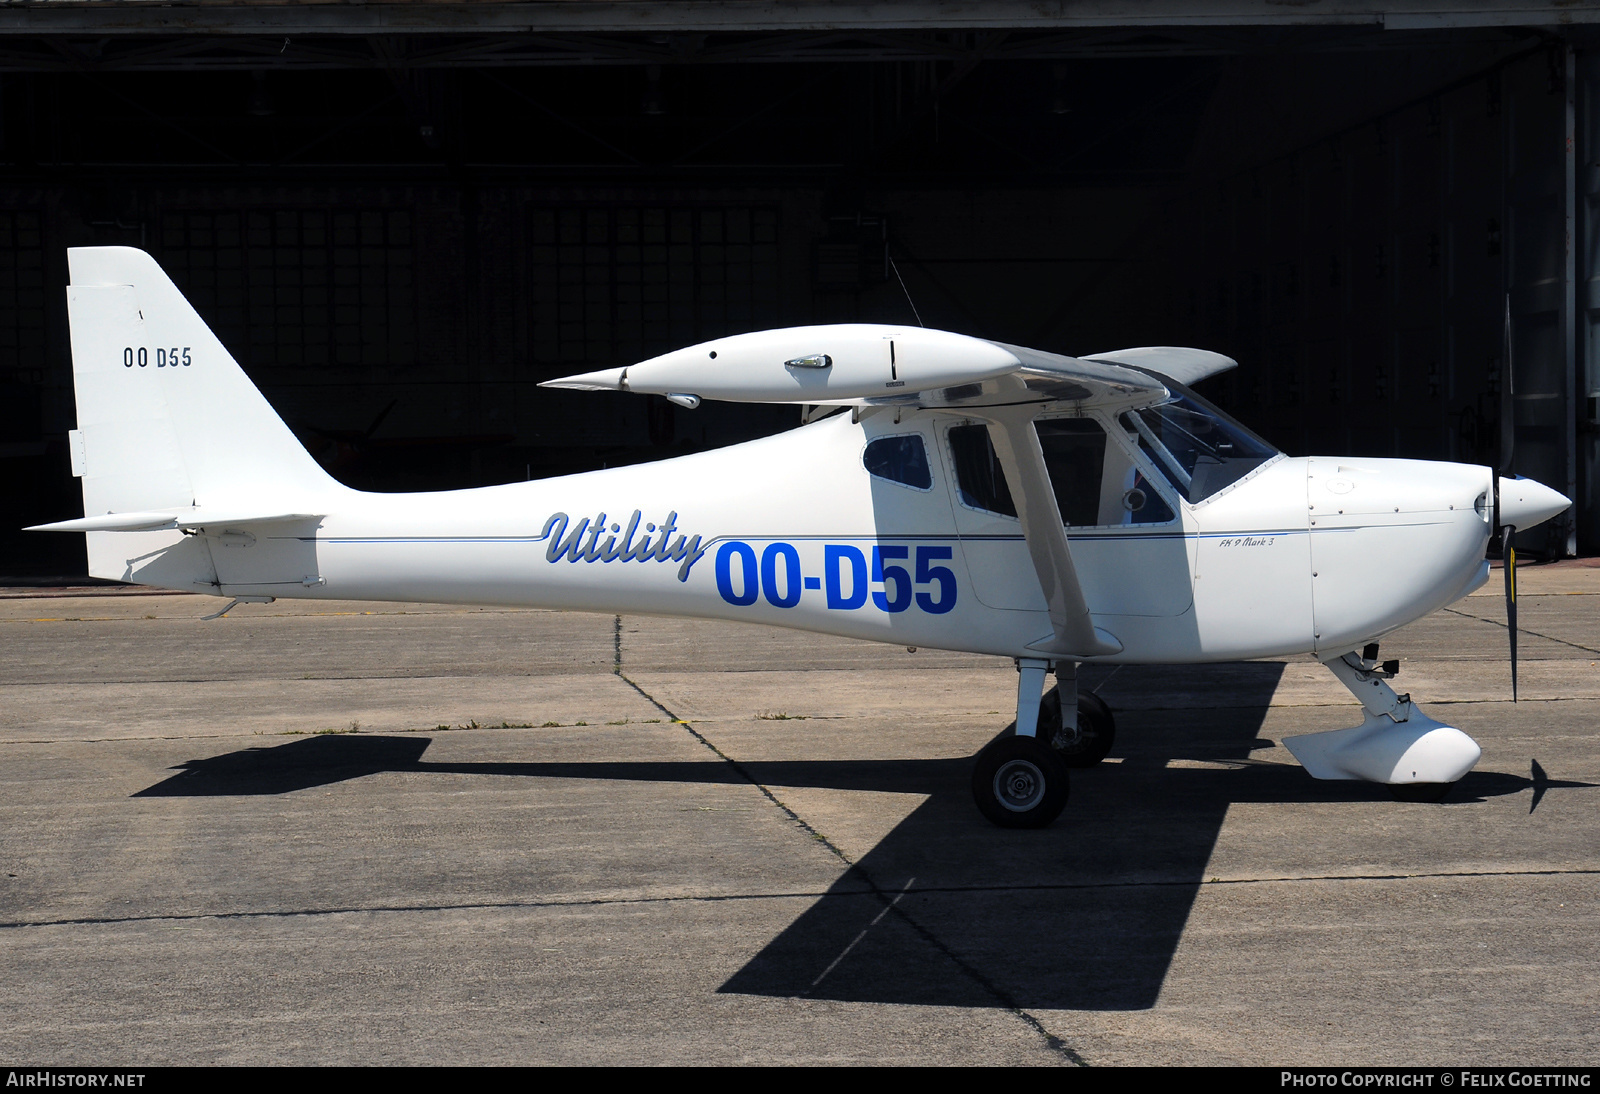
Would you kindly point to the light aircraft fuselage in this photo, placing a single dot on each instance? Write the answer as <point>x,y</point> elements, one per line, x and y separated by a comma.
<point>1300,555</point>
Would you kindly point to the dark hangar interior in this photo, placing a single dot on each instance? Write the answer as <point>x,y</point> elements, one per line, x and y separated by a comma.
<point>400,217</point>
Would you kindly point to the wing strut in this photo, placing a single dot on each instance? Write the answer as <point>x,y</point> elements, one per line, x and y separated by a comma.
<point>1015,442</point>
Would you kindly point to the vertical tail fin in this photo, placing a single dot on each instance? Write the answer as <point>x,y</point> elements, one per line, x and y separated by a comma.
<point>168,420</point>
<point>166,416</point>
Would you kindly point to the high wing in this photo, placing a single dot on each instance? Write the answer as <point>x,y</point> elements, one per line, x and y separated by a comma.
<point>866,364</point>
<point>873,365</point>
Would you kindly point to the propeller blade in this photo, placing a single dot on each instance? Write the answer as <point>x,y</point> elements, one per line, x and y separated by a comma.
<point>1506,535</point>
<point>1508,414</point>
<point>1507,453</point>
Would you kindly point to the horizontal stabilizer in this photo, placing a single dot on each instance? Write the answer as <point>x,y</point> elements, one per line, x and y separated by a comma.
<point>157,520</point>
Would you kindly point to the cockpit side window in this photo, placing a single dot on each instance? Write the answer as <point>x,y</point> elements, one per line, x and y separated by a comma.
<point>1096,483</point>
<point>1128,497</point>
<point>902,459</point>
<point>1196,446</point>
<point>1075,456</point>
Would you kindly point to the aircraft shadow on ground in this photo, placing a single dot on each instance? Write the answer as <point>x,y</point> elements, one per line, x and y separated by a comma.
<point>945,909</point>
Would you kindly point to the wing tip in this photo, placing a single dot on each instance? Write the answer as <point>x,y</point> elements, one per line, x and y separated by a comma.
<point>607,379</point>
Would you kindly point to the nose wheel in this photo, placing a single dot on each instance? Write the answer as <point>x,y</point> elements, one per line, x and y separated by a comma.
<point>1019,782</point>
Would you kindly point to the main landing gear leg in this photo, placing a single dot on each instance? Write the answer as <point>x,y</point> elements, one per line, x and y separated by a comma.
<point>1066,705</point>
<point>1077,724</point>
<point>1396,744</point>
<point>1030,683</point>
<point>1019,781</point>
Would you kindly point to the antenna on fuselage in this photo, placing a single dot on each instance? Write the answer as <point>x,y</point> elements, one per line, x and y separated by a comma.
<point>905,290</point>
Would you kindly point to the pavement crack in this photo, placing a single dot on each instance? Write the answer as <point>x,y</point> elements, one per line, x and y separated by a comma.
<point>890,901</point>
<point>235,681</point>
<point>738,768</point>
<point>471,906</point>
<point>1522,630</point>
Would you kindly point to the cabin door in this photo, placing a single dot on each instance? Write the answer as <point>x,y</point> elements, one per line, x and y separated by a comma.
<point>1127,538</point>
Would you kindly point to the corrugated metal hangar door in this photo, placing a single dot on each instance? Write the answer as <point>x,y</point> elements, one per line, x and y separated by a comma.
<point>400,223</point>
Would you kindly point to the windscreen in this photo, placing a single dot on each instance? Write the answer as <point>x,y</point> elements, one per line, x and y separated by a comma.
<point>1199,448</point>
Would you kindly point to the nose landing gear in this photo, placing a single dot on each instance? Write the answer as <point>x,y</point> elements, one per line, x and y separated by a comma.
<point>1397,744</point>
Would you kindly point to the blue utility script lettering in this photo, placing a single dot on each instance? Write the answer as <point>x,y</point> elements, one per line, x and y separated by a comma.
<point>581,542</point>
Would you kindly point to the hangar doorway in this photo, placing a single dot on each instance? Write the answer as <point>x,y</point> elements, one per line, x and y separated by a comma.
<point>400,236</point>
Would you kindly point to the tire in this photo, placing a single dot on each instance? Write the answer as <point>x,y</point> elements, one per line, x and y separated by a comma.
<point>1097,729</point>
<point>1019,782</point>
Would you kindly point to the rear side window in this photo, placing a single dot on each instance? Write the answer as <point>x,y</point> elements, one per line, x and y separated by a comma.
<point>902,459</point>
<point>980,480</point>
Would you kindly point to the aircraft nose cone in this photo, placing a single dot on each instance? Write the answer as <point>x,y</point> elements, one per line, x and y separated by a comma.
<point>1525,503</point>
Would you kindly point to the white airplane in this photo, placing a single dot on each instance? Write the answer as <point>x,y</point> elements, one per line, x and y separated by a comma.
<point>976,496</point>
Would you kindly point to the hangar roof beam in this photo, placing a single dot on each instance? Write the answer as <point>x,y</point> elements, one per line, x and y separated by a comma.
<point>117,17</point>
